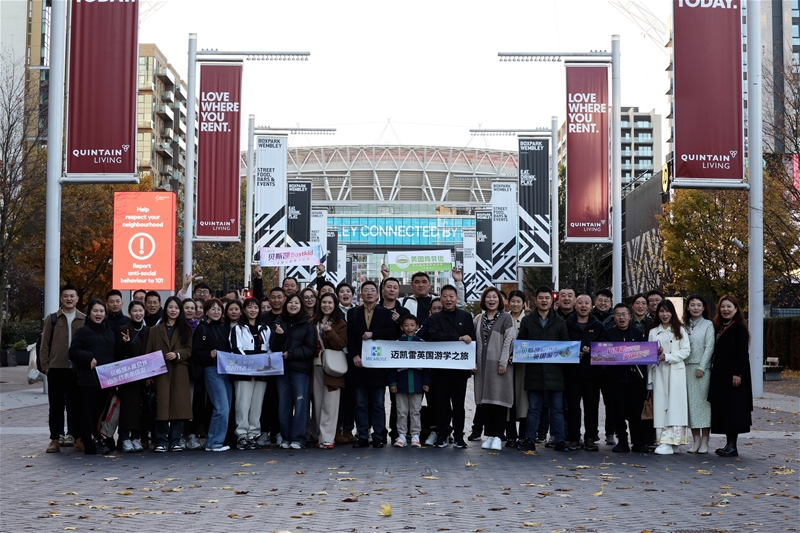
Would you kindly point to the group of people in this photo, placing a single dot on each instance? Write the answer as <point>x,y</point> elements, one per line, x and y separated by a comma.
<point>701,383</point>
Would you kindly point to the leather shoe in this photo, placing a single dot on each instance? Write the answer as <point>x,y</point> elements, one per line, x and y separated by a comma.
<point>622,447</point>
<point>377,443</point>
<point>474,437</point>
<point>361,443</point>
<point>640,448</point>
<point>732,452</point>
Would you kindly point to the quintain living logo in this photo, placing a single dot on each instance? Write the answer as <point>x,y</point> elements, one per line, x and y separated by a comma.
<point>126,147</point>
<point>376,351</point>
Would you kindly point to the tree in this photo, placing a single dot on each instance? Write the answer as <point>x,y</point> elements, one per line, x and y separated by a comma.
<point>23,168</point>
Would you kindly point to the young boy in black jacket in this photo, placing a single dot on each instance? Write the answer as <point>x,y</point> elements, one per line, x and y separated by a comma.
<point>409,385</point>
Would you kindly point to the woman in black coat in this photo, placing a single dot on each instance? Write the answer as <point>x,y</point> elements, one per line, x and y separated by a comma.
<point>92,345</point>
<point>131,341</point>
<point>730,391</point>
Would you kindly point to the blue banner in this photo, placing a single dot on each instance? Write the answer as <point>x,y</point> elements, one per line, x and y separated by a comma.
<point>547,351</point>
<point>407,232</point>
<point>259,364</point>
<point>624,353</point>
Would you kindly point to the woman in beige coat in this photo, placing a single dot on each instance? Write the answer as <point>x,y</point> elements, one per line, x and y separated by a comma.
<point>494,378</point>
<point>173,337</point>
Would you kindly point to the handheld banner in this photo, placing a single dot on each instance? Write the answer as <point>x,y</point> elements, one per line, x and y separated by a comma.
<point>144,241</point>
<point>218,157</point>
<point>547,351</point>
<point>299,255</point>
<point>483,252</point>
<point>624,353</point>
<point>587,154</point>
<point>269,206</point>
<point>130,370</point>
<point>504,232</point>
<point>534,202</point>
<point>423,260</point>
<point>397,354</point>
<point>103,89</point>
<point>708,103</point>
<point>259,364</point>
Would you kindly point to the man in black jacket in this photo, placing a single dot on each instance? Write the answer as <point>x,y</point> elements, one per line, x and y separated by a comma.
<point>629,386</point>
<point>450,324</point>
<point>368,321</point>
<point>581,381</point>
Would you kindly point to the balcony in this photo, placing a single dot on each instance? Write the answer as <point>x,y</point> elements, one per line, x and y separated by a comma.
<point>626,166</point>
<point>166,76</point>
<point>644,153</point>
<point>180,127</point>
<point>644,139</point>
<point>177,175</point>
<point>146,124</point>
<point>180,142</point>
<point>624,124</point>
<point>180,162</point>
<point>165,112</point>
<point>167,133</point>
<point>166,170</point>
<point>643,125</point>
<point>627,152</point>
<point>148,85</point>
<point>180,107</point>
<point>168,96</point>
<point>180,92</point>
<point>644,167</point>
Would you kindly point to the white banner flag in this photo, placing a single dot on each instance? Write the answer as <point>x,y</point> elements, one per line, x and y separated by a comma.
<point>269,206</point>
<point>319,229</point>
<point>504,232</point>
<point>454,355</point>
<point>470,244</point>
<point>294,256</point>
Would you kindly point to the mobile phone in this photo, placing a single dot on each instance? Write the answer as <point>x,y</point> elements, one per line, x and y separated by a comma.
<point>198,278</point>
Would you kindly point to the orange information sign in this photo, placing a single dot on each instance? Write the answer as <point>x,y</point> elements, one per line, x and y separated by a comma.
<point>144,240</point>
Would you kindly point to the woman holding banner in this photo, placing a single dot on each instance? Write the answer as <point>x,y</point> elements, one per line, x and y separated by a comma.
<point>250,337</point>
<point>332,335</point>
<point>131,342</point>
<point>668,380</point>
<point>210,336</point>
<point>494,378</point>
<point>698,367</point>
<point>92,346</point>
<point>173,337</point>
<point>295,338</point>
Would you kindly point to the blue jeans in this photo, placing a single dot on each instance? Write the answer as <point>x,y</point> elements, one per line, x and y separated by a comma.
<point>535,400</point>
<point>220,392</point>
<point>293,393</point>
<point>375,417</point>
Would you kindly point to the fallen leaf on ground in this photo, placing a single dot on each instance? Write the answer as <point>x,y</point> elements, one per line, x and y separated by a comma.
<point>240,492</point>
<point>176,489</point>
<point>346,479</point>
<point>123,492</point>
<point>107,479</point>
<point>703,472</point>
<point>429,477</point>
<point>273,462</point>
<point>531,524</point>
<point>300,472</point>
<point>385,510</point>
<point>602,488</point>
<point>351,499</point>
<point>307,513</point>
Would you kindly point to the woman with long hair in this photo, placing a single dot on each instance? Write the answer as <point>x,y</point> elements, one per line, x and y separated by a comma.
<point>296,340</point>
<point>519,411</point>
<point>310,302</point>
<point>668,380</point>
<point>331,329</point>
<point>730,391</point>
<point>92,346</point>
<point>131,342</point>
<point>494,377</point>
<point>212,335</point>
<point>173,337</point>
<point>250,337</point>
<point>190,312</point>
<point>698,367</point>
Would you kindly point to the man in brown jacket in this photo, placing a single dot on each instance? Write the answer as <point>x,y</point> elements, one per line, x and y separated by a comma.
<point>61,380</point>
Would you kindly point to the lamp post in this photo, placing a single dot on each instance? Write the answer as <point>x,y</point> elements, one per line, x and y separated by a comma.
<point>553,133</point>
<point>598,56</point>
<point>191,114</point>
<point>251,162</point>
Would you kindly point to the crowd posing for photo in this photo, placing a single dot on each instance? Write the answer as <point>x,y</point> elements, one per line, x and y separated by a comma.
<point>326,396</point>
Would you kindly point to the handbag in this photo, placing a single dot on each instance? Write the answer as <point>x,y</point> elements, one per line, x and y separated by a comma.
<point>647,407</point>
<point>334,362</point>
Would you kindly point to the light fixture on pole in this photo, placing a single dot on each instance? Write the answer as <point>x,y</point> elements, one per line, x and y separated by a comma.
<point>600,57</point>
<point>252,129</point>
<point>191,114</point>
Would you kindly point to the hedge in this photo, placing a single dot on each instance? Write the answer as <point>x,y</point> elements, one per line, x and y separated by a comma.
<point>782,340</point>
<point>15,331</point>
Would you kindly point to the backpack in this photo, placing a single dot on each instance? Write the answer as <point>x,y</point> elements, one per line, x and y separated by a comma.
<point>53,317</point>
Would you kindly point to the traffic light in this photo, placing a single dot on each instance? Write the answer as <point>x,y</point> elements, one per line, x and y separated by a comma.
<point>248,293</point>
<point>555,296</point>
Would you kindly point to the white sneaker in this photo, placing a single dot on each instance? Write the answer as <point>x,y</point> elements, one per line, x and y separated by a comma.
<point>664,449</point>
<point>127,446</point>
<point>676,448</point>
<point>497,444</point>
<point>487,444</point>
<point>415,441</point>
<point>137,445</point>
<point>193,443</point>
<point>285,445</point>
<point>69,440</point>
<point>263,440</point>
<point>401,442</point>
<point>222,448</point>
<point>431,440</point>
<point>296,446</point>
<point>278,440</point>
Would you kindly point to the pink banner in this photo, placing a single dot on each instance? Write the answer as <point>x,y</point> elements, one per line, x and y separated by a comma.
<point>130,370</point>
<point>624,353</point>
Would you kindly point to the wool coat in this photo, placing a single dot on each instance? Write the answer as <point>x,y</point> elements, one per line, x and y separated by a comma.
<point>335,339</point>
<point>130,394</point>
<point>172,388</point>
<point>543,376</point>
<point>382,328</point>
<point>670,398</point>
<point>92,341</point>
<point>731,406</point>
<point>490,386</point>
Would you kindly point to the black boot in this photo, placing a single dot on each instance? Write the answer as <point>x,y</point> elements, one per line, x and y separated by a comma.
<point>730,449</point>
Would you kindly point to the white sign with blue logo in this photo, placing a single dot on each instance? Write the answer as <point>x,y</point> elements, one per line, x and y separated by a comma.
<point>454,355</point>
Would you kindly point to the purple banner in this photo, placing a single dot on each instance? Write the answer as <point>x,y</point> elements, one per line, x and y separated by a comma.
<point>130,370</point>
<point>624,353</point>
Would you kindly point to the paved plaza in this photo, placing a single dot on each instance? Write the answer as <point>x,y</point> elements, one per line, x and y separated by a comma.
<point>428,489</point>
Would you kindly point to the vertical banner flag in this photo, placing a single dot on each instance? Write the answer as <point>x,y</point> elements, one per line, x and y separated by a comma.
<point>504,232</point>
<point>269,207</point>
<point>341,265</point>
<point>319,229</point>
<point>469,268</point>
<point>483,252</point>
<point>534,202</point>
<point>348,270</point>
<point>103,89</point>
<point>332,259</point>
<point>144,241</point>
<point>298,226</point>
<point>218,156</point>
<point>587,154</point>
<point>708,103</point>
<point>458,257</point>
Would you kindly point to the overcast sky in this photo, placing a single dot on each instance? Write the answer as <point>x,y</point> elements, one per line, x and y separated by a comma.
<point>412,72</point>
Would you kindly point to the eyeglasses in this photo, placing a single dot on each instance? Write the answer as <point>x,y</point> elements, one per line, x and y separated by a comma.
<point>621,315</point>
<point>203,291</point>
<point>309,298</point>
<point>603,300</point>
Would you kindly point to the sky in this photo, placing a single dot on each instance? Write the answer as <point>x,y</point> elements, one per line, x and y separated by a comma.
<point>412,72</point>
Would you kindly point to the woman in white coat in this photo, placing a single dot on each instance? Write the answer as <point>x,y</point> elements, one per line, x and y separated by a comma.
<point>698,370</point>
<point>668,379</point>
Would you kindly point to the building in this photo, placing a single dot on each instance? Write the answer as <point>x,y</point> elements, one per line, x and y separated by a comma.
<point>161,120</point>
<point>641,144</point>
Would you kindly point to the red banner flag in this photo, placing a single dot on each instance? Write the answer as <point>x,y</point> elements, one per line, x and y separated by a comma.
<point>102,92</point>
<point>587,154</point>
<point>708,110</point>
<point>218,155</point>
